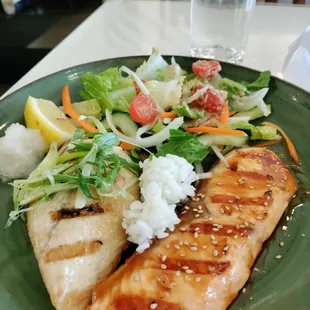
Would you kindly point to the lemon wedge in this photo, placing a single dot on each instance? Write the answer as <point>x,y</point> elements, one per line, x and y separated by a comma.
<point>52,123</point>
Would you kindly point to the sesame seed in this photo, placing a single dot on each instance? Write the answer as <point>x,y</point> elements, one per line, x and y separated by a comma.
<point>153,306</point>
<point>237,197</point>
<point>183,229</point>
<point>185,267</point>
<point>278,256</point>
<point>259,217</point>
<point>178,273</point>
<point>163,258</point>
<point>181,242</point>
<point>167,246</point>
<point>182,254</point>
<point>197,229</point>
<point>194,244</point>
<point>163,266</point>
<point>229,231</point>
<point>200,211</point>
<point>210,218</point>
<point>199,195</point>
<point>183,212</point>
<point>240,206</point>
<point>198,199</point>
<point>236,208</point>
<point>256,269</point>
<point>189,271</point>
<point>251,187</point>
<point>246,223</point>
<point>193,248</point>
<point>196,234</point>
<point>222,210</point>
<point>197,215</point>
<point>198,279</point>
<point>137,278</point>
<point>225,249</point>
<point>215,253</point>
<point>302,235</point>
<point>235,236</point>
<point>195,210</point>
<point>177,247</point>
<point>215,229</point>
<point>284,227</point>
<point>186,208</point>
<point>219,183</point>
<point>204,247</point>
<point>266,204</point>
<point>227,208</point>
<point>187,278</point>
<point>252,221</point>
<point>243,290</point>
<point>186,243</point>
<point>287,218</point>
<point>212,237</point>
<point>281,244</point>
<point>214,242</point>
<point>203,196</point>
<point>200,207</point>
<point>215,224</point>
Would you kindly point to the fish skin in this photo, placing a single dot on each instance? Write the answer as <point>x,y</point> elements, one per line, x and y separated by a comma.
<point>77,249</point>
<point>241,207</point>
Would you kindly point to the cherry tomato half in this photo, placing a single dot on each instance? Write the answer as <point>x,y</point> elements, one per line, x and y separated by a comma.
<point>211,100</point>
<point>143,109</point>
<point>206,68</point>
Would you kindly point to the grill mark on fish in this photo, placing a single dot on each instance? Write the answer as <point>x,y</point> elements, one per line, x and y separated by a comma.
<point>251,175</point>
<point>66,251</point>
<point>258,201</point>
<point>64,213</point>
<point>221,230</point>
<point>137,302</point>
<point>197,266</point>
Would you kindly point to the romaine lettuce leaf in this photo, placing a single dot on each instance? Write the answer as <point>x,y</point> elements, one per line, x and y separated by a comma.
<point>184,110</point>
<point>185,145</point>
<point>149,69</point>
<point>109,88</point>
<point>166,94</point>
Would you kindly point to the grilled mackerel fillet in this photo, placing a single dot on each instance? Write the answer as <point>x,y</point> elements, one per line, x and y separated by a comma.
<point>207,259</point>
<point>76,248</point>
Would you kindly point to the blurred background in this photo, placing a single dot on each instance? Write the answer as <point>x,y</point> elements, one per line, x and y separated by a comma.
<point>29,29</point>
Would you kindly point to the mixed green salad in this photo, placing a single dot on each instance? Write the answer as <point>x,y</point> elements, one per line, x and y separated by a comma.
<point>159,109</point>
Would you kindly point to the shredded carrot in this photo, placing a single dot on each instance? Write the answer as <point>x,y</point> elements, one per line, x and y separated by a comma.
<point>171,115</point>
<point>290,145</point>
<point>224,114</point>
<point>267,143</point>
<point>231,113</point>
<point>66,102</point>
<point>126,146</point>
<point>220,131</point>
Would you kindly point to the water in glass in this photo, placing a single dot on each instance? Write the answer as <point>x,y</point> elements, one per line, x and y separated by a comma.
<point>220,28</point>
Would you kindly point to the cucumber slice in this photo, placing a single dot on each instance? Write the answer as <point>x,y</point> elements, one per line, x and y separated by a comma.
<point>264,133</point>
<point>158,127</point>
<point>124,123</point>
<point>253,113</point>
<point>215,139</point>
<point>88,108</point>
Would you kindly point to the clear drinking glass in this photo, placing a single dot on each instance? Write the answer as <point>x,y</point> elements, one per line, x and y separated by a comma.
<point>220,28</point>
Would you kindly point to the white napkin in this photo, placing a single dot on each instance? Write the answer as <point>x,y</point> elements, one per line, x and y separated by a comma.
<point>296,65</point>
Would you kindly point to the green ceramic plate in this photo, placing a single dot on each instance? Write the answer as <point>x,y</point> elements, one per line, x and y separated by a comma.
<point>279,284</point>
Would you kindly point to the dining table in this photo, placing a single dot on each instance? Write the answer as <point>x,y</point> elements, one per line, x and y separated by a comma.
<point>133,27</point>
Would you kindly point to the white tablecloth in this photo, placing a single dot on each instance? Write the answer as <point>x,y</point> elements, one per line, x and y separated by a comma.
<point>123,28</point>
